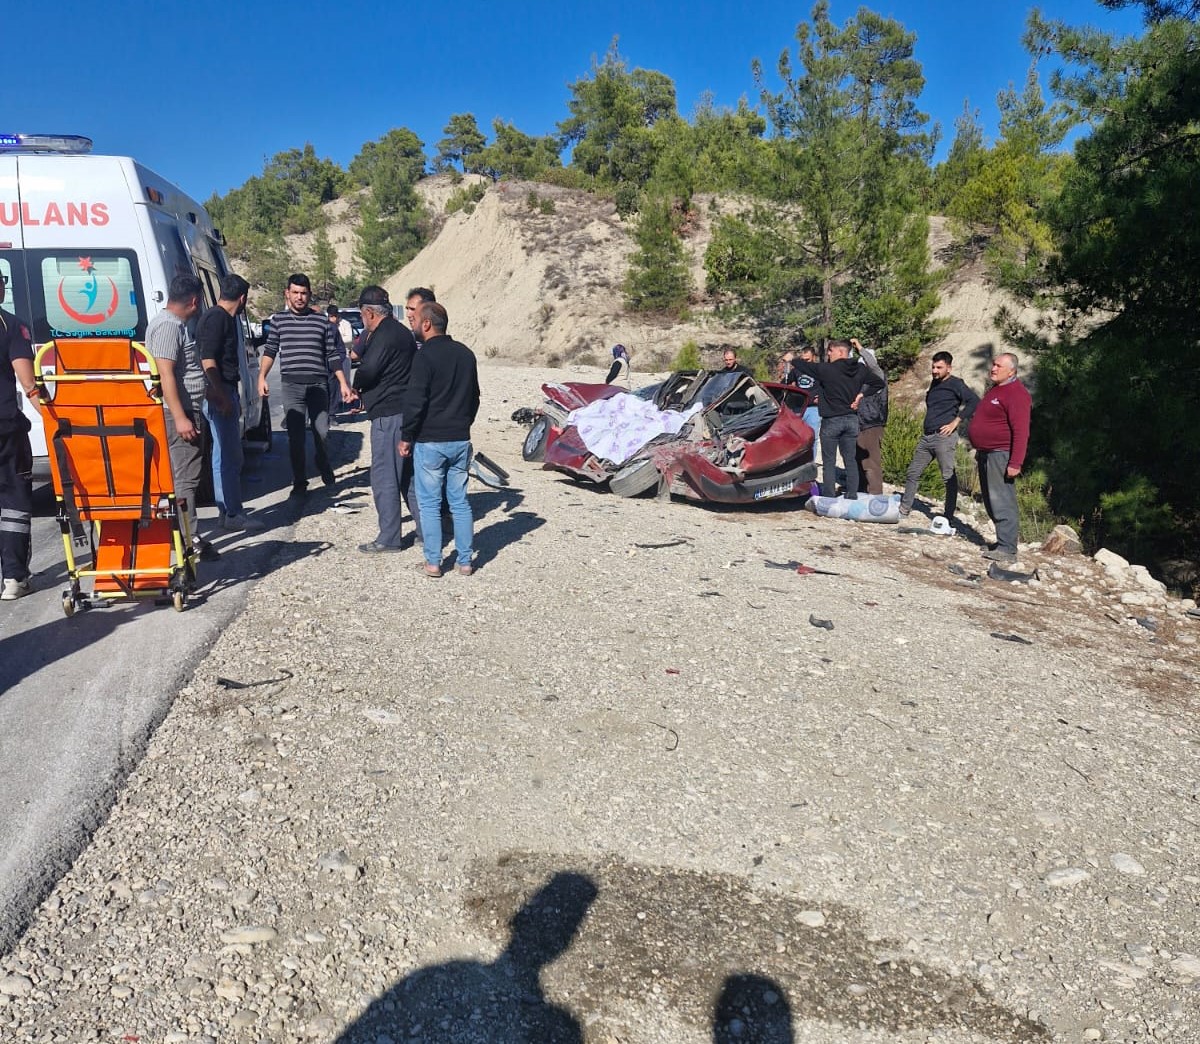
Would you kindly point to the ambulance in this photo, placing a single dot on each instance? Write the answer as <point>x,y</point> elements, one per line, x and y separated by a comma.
<point>89,246</point>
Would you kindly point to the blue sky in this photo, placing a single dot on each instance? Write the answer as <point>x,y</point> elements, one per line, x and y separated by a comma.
<point>205,102</point>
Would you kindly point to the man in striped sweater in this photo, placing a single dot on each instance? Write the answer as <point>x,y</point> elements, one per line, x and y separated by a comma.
<point>305,343</point>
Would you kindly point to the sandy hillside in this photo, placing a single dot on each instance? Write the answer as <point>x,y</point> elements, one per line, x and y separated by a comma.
<point>343,220</point>
<point>538,287</point>
<point>969,303</point>
<point>546,287</point>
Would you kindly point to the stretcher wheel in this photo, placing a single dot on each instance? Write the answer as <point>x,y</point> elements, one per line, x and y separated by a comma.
<point>179,600</point>
<point>68,603</point>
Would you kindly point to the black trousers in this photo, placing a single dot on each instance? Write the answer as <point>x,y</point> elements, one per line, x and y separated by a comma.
<point>304,404</point>
<point>16,505</point>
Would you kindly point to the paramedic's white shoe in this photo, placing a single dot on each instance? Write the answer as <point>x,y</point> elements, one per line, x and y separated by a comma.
<point>14,589</point>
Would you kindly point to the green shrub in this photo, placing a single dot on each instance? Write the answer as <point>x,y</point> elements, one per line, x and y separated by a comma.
<point>565,177</point>
<point>1134,519</point>
<point>758,361</point>
<point>1033,505</point>
<point>626,198</point>
<point>904,429</point>
<point>688,357</point>
<point>464,199</point>
<point>968,473</point>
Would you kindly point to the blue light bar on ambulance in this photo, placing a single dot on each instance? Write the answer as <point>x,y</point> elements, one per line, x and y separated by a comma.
<point>63,144</point>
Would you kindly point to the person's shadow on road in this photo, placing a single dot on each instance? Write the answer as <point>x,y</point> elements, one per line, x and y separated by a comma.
<point>498,1003</point>
<point>752,1009</point>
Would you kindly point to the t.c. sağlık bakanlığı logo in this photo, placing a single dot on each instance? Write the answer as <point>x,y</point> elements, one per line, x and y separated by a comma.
<point>90,291</point>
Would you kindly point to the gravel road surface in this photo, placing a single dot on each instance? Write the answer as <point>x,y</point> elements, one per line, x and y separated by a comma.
<point>615,787</point>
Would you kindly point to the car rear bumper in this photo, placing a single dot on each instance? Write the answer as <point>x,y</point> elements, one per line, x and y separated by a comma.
<point>794,482</point>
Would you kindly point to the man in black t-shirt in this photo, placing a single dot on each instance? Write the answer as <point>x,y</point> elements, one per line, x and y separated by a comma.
<point>217,336</point>
<point>16,456</point>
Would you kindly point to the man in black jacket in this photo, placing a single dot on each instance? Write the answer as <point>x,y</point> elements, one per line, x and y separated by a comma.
<point>948,405</point>
<point>843,383</point>
<point>381,381</point>
<point>439,409</point>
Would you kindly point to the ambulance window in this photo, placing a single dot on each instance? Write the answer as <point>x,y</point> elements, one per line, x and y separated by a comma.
<point>212,289</point>
<point>98,294</point>
<point>219,258</point>
<point>175,256</point>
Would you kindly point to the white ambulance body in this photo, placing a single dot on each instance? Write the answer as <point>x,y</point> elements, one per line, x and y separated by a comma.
<point>90,244</point>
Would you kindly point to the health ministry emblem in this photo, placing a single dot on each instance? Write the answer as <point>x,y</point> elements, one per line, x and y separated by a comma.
<point>95,309</point>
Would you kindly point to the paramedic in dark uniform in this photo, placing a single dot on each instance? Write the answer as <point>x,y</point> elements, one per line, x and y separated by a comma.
<point>16,456</point>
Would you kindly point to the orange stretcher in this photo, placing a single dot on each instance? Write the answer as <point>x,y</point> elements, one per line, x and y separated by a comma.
<point>102,406</point>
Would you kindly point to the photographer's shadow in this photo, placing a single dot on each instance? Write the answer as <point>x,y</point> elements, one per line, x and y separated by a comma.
<point>498,1003</point>
<point>752,1009</point>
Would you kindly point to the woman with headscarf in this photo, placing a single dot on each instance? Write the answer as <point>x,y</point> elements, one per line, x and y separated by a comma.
<point>620,366</point>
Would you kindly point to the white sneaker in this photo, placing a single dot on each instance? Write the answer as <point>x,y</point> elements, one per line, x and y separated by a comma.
<point>243,522</point>
<point>14,589</point>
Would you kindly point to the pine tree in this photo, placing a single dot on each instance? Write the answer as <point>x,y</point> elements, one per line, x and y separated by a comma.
<point>324,266</point>
<point>836,187</point>
<point>657,280</point>
<point>461,146</point>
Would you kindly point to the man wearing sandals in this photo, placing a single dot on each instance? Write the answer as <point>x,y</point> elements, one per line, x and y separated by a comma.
<point>439,409</point>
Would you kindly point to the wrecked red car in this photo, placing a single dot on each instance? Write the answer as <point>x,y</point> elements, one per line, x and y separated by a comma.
<point>712,435</point>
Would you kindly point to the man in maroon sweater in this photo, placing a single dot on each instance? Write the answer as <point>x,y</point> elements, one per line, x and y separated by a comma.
<point>999,431</point>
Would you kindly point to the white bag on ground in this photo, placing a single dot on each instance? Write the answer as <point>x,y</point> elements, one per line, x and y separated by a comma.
<point>882,508</point>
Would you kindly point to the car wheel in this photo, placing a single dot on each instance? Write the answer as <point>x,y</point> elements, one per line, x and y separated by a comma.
<point>635,479</point>
<point>534,447</point>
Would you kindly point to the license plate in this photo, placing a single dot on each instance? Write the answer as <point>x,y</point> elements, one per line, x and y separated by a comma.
<point>774,491</point>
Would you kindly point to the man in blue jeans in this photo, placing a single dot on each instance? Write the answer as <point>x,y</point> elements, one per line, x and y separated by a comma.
<point>439,408</point>
<point>217,339</point>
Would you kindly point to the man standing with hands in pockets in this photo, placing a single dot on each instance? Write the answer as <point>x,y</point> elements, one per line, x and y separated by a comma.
<point>439,409</point>
<point>220,350</point>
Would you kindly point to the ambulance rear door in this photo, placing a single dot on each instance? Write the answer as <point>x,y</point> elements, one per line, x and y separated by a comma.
<point>16,288</point>
<point>81,273</point>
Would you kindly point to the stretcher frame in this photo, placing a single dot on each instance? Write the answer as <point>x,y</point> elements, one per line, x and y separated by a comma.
<point>115,524</point>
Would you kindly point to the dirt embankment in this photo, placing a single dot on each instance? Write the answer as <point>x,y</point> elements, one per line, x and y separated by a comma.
<point>534,274</point>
